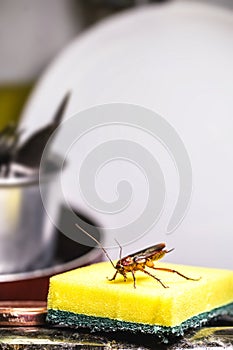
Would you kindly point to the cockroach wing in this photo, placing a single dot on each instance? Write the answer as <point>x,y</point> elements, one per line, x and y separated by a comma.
<point>148,252</point>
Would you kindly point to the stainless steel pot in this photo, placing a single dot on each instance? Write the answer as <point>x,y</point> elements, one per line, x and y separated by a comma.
<point>27,237</point>
<point>33,285</point>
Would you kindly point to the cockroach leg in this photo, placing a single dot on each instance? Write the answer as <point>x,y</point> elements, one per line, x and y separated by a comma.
<point>134,279</point>
<point>157,279</point>
<point>174,271</point>
<point>113,278</point>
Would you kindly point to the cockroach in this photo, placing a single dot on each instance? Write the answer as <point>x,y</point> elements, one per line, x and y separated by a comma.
<point>139,261</point>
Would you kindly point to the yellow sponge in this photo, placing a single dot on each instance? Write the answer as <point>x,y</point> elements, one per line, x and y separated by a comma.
<point>84,297</point>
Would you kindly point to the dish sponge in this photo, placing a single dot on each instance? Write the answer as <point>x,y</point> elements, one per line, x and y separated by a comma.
<point>85,298</point>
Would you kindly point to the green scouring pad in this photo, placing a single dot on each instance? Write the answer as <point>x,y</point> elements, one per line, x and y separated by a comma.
<point>85,298</point>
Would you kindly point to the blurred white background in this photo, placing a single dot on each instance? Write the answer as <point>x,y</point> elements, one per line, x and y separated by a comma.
<point>33,32</point>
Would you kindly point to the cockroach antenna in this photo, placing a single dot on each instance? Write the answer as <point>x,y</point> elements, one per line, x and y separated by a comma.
<point>95,240</point>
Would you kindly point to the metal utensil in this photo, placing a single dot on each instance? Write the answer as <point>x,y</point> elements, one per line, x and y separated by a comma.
<point>30,153</point>
<point>9,138</point>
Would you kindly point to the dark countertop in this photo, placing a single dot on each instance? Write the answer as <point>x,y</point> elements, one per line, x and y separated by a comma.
<point>18,338</point>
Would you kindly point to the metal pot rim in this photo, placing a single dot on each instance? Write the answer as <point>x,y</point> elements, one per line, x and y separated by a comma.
<point>94,255</point>
<point>31,176</point>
